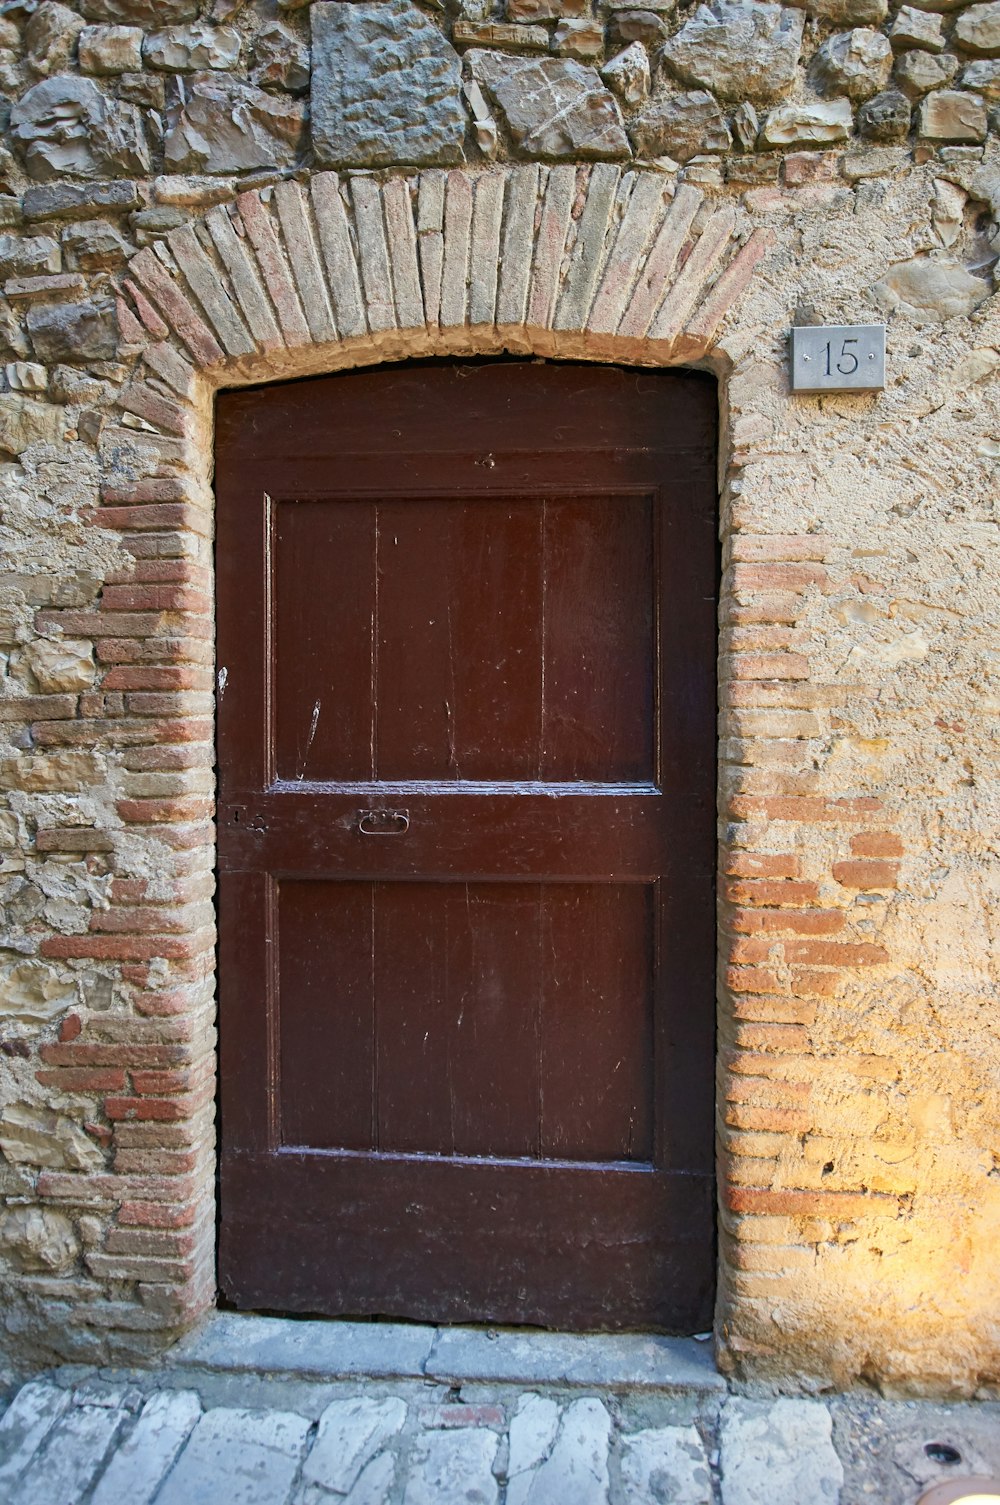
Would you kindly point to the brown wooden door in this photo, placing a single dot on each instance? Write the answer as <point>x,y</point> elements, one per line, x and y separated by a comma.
<point>466,756</point>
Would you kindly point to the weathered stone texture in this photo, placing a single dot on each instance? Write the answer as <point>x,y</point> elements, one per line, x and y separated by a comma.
<point>551,108</point>
<point>680,126</point>
<point>223,126</point>
<point>739,50</point>
<point>386,87</point>
<point>65,127</point>
<point>627,75</point>
<point>853,63</point>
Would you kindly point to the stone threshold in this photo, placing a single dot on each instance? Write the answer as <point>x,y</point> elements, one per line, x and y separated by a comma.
<point>329,1349</point>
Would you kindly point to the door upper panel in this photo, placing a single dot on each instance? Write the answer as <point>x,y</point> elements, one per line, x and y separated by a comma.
<point>510,639</point>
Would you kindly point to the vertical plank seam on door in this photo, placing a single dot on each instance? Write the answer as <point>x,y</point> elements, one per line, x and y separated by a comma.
<point>375,663</point>
<point>376,1130</point>
<point>268,646</point>
<point>273,1065</point>
<point>541,718</point>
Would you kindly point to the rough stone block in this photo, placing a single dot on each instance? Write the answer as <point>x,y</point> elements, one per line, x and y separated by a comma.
<point>386,87</point>
<point>808,124</point>
<point>681,126</point>
<point>110,49</point>
<point>187,49</point>
<point>583,40</point>
<point>855,64</point>
<point>627,75</point>
<point>977,30</point>
<point>225,126</point>
<point>544,10</point>
<point>74,332</point>
<point>23,256</point>
<point>930,291</point>
<point>513,38</point>
<point>350,1434</point>
<point>917,73</point>
<point>886,117</point>
<point>38,1239</point>
<point>738,50</point>
<point>550,107</point>
<point>916,28</point>
<point>66,128</point>
<point>24,422</point>
<point>147,14</point>
<point>952,115</point>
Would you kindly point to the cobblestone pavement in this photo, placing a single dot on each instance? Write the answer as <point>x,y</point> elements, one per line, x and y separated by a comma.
<point>190,1432</point>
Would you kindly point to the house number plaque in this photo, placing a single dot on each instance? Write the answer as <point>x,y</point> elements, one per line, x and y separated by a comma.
<point>838,357</point>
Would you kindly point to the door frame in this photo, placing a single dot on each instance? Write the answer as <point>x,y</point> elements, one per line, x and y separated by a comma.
<point>396,296</point>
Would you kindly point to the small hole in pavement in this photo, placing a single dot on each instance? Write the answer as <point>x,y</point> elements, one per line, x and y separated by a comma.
<point>942,1452</point>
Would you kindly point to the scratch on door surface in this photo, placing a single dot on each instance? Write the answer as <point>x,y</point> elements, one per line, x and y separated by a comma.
<point>310,739</point>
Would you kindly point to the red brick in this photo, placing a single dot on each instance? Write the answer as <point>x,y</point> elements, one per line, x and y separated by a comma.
<point>162,572</point>
<point>158,677</point>
<point>126,920</point>
<point>804,808</point>
<point>866,875</point>
<point>157,1162</point>
<point>876,844</point>
<point>152,597</point>
<point>771,1037</point>
<point>153,812</point>
<point>809,983</point>
<point>763,548</point>
<point>144,1214</point>
<point>153,1241</point>
<point>70,1186</point>
<point>760,864</point>
<point>68,1030</point>
<point>766,891</point>
<point>126,948</point>
<point>810,167</point>
<point>813,953</point>
<point>765,666</point>
<point>168,704</point>
<point>823,1204</point>
<point>98,704</point>
<point>801,921</point>
<point>144,402</point>
<point>168,1109</point>
<point>38,708</point>
<point>768,1120</point>
<point>73,839</point>
<point>155,280</point>
<point>82,1079</point>
<point>776,577</point>
<point>158,516</point>
<point>752,980</point>
<point>465,1416</point>
<point>786,1010</point>
<point>159,1082</point>
<point>139,493</point>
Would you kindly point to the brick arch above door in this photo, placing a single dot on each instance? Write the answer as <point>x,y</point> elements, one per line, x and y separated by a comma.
<point>298,276</point>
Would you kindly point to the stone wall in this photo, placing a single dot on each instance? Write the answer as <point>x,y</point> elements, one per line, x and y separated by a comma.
<point>169,225</point>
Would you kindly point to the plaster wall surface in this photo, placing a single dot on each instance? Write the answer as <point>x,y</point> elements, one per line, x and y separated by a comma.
<point>151,261</point>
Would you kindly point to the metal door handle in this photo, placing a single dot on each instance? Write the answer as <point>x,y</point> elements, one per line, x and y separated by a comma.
<point>383,822</point>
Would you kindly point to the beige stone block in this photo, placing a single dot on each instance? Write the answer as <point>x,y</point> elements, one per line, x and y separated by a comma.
<point>110,49</point>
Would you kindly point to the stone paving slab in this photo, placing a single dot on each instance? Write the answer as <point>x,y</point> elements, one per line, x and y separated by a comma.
<point>183,1436</point>
<point>607,1360</point>
<point>281,1345</point>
